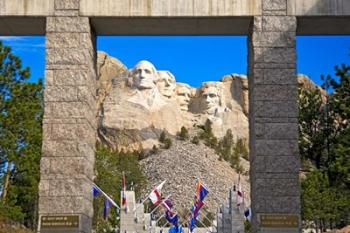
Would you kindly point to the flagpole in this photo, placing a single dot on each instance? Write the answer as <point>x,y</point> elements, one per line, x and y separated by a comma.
<point>165,224</point>
<point>104,194</point>
<point>243,204</point>
<point>161,216</point>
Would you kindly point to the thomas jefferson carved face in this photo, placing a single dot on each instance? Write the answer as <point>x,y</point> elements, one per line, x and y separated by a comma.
<point>183,97</point>
<point>144,75</point>
<point>166,84</point>
<point>211,97</point>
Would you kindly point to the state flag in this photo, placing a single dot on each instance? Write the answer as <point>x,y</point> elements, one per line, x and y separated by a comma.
<point>155,195</point>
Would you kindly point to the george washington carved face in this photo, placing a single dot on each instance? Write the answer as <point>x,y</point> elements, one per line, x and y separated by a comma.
<point>144,75</point>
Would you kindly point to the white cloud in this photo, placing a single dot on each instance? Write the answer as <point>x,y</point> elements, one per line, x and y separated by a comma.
<point>22,43</point>
<point>11,38</point>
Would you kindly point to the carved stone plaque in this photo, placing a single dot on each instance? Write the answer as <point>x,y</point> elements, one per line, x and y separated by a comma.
<point>61,223</point>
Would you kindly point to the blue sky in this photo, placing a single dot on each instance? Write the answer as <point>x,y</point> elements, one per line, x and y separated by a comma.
<point>194,59</point>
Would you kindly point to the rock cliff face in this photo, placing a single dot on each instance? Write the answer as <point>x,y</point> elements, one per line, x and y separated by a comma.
<point>107,68</point>
<point>306,83</point>
<point>136,105</point>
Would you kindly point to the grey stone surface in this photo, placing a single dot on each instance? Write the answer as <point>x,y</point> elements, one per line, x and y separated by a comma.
<point>273,114</point>
<point>230,218</point>
<point>170,8</point>
<point>274,5</point>
<point>27,7</point>
<point>278,24</point>
<point>70,205</point>
<point>277,187</point>
<point>276,108</point>
<point>275,39</point>
<point>66,13</point>
<point>274,76</point>
<point>273,164</point>
<point>69,123</point>
<point>276,147</point>
<point>318,7</point>
<point>67,56</point>
<point>55,93</point>
<point>276,131</point>
<point>279,55</point>
<point>68,40</point>
<point>175,7</point>
<point>66,5</point>
<point>265,65</point>
<point>275,92</point>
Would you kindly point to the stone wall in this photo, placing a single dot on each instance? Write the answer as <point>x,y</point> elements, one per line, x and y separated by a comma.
<point>273,117</point>
<point>69,127</point>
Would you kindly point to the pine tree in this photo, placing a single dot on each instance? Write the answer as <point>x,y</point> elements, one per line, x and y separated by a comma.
<point>183,135</point>
<point>162,137</point>
<point>325,141</point>
<point>195,140</point>
<point>109,166</point>
<point>312,127</point>
<point>338,162</point>
<point>207,135</point>
<point>21,110</point>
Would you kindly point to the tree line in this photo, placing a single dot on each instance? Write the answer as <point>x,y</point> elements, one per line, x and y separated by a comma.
<point>324,144</point>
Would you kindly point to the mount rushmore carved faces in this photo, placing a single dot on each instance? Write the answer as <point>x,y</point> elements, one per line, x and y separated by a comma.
<point>143,101</point>
<point>166,83</point>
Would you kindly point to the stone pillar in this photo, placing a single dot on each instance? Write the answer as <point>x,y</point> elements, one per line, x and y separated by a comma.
<point>69,126</point>
<point>273,120</point>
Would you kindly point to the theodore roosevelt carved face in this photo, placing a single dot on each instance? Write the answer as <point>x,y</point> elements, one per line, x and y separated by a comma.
<point>183,96</point>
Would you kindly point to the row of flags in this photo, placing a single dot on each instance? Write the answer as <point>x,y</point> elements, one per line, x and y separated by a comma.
<point>154,197</point>
<point>170,214</point>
